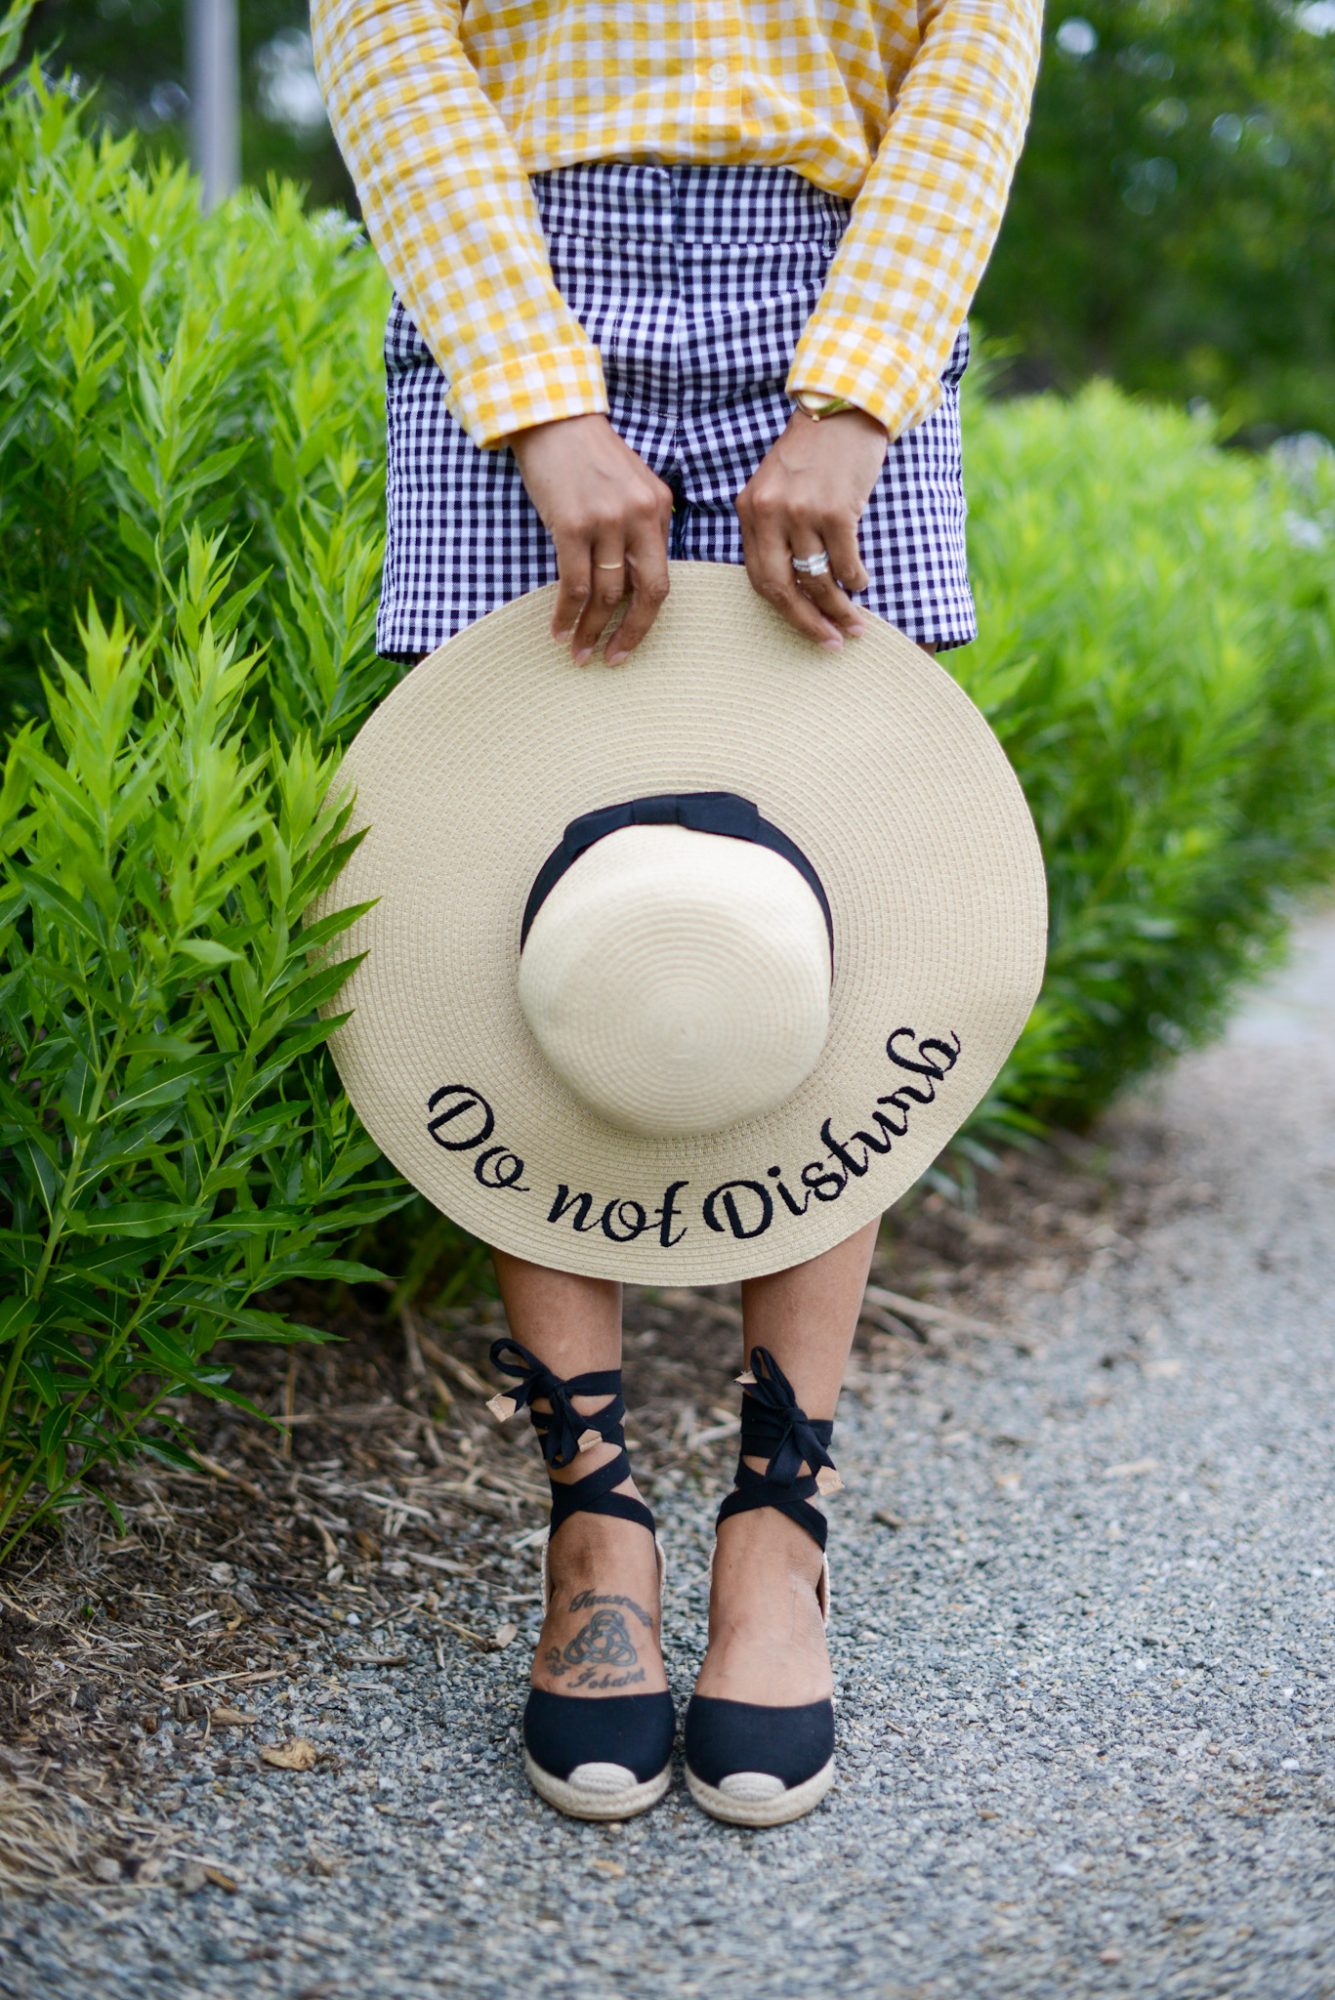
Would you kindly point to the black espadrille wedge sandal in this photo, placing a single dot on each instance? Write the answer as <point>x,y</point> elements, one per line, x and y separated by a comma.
<point>595,1757</point>
<point>747,1762</point>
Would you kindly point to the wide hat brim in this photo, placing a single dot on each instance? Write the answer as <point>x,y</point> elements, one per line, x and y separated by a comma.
<point>872,759</point>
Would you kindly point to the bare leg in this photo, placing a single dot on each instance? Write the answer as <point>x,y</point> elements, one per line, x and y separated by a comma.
<point>574,1324</point>
<point>766,1637</point>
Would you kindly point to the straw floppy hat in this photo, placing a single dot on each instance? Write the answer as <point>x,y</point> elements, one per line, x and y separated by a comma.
<point>683,970</point>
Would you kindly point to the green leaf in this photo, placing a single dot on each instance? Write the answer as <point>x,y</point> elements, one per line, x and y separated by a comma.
<point>169,1453</point>
<point>58,901</point>
<point>162,1086</point>
<point>208,951</point>
<point>12,24</point>
<point>17,1315</point>
<point>46,1173</point>
<point>131,1218</point>
<point>316,1264</point>
<point>104,1498</point>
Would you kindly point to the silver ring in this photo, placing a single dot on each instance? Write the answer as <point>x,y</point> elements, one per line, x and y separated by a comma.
<point>815,565</point>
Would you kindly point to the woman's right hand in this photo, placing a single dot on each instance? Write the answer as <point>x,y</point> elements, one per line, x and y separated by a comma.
<point>601,504</point>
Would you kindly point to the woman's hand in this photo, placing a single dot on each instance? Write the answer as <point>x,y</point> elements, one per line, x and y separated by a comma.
<point>601,504</point>
<point>807,494</point>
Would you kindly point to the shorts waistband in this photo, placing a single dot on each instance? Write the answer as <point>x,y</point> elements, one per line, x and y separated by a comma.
<point>702,200</point>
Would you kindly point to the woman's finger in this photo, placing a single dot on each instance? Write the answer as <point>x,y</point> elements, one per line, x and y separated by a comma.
<point>769,564</point>
<point>572,568</point>
<point>648,564</point>
<point>828,591</point>
<point>609,579</point>
<point>840,535</point>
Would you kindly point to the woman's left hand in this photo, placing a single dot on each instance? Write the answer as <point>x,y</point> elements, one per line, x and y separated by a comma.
<point>807,494</point>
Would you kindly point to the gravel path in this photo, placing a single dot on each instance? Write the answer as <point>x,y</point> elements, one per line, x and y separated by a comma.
<point>1083,1584</point>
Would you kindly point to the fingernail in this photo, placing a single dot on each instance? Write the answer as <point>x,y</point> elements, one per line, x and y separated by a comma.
<point>583,656</point>
<point>615,659</point>
<point>856,629</point>
<point>834,644</point>
<point>564,633</point>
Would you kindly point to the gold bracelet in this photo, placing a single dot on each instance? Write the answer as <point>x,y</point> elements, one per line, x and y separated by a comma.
<point>827,407</point>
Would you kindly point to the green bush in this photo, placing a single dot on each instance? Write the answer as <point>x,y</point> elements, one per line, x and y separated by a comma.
<point>190,509</point>
<point>164,371</point>
<point>171,1150</point>
<point>1157,654</point>
<point>191,495</point>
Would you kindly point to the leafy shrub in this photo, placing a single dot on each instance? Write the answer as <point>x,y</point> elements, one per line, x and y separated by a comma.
<point>1157,654</point>
<point>190,434</point>
<point>163,371</point>
<point>173,1151</point>
<point>191,494</point>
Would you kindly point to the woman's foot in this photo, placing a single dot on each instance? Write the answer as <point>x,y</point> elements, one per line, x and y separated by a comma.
<point>599,1721</point>
<point>601,1631</point>
<point>766,1633</point>
<point>759,1736</point>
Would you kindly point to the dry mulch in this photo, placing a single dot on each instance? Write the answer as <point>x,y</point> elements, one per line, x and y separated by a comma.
<point>384,1488</point>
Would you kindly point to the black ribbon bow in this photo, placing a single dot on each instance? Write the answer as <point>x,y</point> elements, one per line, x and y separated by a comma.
<point>774,1423</point>
<point>703,812</point>
<point>559,1434</point>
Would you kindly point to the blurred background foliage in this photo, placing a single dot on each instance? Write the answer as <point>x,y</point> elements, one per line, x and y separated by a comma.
<point>1172,223</point>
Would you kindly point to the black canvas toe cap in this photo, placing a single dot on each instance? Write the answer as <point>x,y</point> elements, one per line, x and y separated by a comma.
<point>724,1737</point>
<point>562,1731</point>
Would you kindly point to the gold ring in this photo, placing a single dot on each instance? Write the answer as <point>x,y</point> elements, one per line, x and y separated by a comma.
<point>615,565</point>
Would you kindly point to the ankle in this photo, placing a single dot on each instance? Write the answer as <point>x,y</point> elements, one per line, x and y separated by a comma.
<point>596,1538</point>
<point>589,1550</point>
<point>765,1541</point>
<point>575,1416</point>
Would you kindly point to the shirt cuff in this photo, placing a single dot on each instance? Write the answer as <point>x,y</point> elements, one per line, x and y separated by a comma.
<point>529,389</point>
<point>883,377</point>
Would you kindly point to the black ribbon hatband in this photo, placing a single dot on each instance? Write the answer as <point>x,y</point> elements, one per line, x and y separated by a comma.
<point>705,812</point>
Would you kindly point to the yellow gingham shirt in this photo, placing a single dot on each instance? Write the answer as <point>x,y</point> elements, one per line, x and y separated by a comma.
<point>442,110</point>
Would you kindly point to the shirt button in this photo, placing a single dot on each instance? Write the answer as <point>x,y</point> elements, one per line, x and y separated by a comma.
<point>718,72</point>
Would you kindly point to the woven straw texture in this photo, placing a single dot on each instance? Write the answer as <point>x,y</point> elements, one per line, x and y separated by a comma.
<point>679,980</point>
<point>872,759</point>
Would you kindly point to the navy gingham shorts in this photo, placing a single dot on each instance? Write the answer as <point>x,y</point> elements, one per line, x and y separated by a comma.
<point>695,280</point>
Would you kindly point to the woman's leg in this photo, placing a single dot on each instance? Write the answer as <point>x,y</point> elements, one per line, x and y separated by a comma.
<point>599,1564</point>
<point>766,1636</point>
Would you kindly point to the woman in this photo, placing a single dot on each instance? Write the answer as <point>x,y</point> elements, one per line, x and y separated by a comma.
<point>692,283</point>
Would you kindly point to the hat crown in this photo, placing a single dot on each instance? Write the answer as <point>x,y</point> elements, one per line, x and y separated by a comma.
<point>678,980</point>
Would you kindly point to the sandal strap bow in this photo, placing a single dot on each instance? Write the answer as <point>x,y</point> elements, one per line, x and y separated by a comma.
<point>775,1426</point>
<point>563,1432</point>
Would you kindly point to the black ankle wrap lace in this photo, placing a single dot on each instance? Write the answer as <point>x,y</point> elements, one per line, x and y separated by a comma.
<point>562,1432</point>
<point>776,1427</point>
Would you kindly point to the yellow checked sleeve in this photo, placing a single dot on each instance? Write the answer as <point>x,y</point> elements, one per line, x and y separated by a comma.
<point>924,223</point>
<point>450,211</point>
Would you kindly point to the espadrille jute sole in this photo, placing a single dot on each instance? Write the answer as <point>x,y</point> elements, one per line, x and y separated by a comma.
<point>582,1802</point>
<point>786,1805</point>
